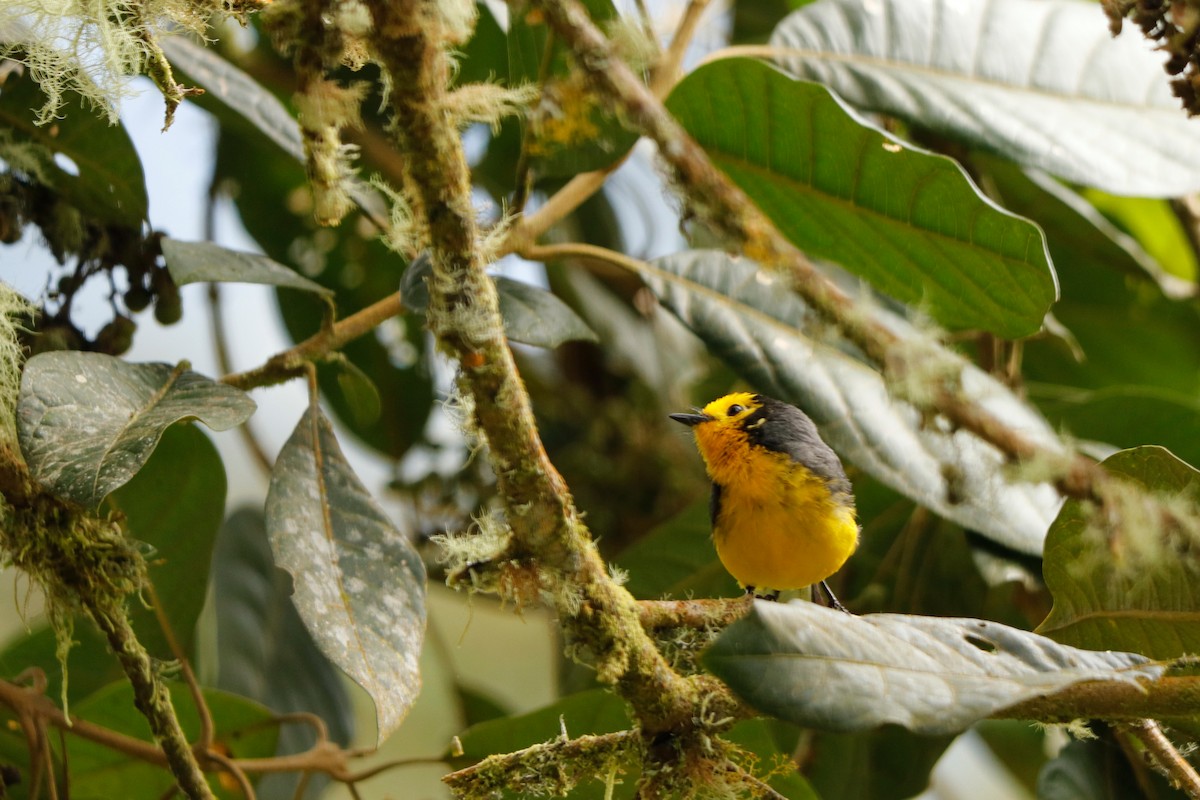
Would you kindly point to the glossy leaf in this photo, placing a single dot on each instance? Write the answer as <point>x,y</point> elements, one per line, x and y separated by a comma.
<point>1132,587</point>
<point>748,319</point>
<point>87,422</point>
<point>359,585</point>
<point>200,262</point>
<point>908,221</point>
<point>107,184</point>
<point>175,506</point>
<point>264,651</point>
<point>822,668</point>
<point>531,314</point>
<point>1041,82</point>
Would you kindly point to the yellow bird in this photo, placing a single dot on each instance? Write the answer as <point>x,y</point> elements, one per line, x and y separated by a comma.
<point>782,507</point>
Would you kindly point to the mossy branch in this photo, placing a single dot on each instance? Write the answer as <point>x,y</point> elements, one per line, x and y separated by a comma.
<point>599,616</point>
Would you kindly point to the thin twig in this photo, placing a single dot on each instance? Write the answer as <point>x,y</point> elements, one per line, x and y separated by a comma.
<point>205,740</point>
<point>669,68</point>
<point>291,363</point>
<point>1172,763</point>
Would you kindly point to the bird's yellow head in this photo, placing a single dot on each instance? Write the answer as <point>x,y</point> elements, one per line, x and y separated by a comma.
<point>722,430</point>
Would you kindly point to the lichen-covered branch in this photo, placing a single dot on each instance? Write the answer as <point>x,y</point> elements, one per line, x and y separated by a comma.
<point>556,766</point>
<point>411,41</point>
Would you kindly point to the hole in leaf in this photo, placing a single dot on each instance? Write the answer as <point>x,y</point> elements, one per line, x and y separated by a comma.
<point>978,641</point>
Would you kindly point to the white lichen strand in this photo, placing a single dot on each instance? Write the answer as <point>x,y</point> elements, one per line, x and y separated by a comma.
<point>13,308</point>
<point>89,47</point>
<point>488,103</point>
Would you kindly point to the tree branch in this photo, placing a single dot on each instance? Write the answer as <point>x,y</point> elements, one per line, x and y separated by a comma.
<point>597,614</point>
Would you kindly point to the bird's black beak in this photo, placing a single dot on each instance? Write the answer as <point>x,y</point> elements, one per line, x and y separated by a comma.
<point>691,420</point>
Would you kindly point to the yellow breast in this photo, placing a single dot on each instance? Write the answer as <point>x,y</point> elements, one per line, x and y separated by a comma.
<point>783,530</point>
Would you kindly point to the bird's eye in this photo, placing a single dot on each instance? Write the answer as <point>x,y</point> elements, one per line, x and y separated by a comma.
<point>735,409</point>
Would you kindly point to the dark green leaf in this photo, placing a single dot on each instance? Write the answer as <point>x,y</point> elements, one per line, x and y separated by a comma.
<point>109,184</point>
<point>1127,330</point>
<point>536,317</point>
<point>886,764</point>
<point>1098,770</point>
<point>1041,82</point>
<point>591,712</point>
<point>677,560</point>
<point>175,505</point>
<point>748,319</point>
<point>90,664</point>
<point>359,393</point>
<point>910,222</point>
<point>87,422</point>
<point>1130,587</point>
<point>1128,416</point>
<point>264,651</point>
<point>485,56</point>
<point>773,761</point>
<point>359,585</point>
<point>199,262</point>
<point>826,669</point>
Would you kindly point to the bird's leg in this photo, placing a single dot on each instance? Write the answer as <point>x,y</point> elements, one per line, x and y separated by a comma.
<point>833,601</point>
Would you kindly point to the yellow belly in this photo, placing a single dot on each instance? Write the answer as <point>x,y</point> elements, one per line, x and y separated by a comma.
<point>789,541</point>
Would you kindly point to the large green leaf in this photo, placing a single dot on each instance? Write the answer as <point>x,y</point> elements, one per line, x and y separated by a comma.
<point>359,585</point>
<point>749,320</point>
<point>890,763</point>
<point>1128,581</point>
<point>910,222</point>
<point>198,262</point>
<point>103,178</point>
<point>175,506</point>
<point>1126,329</point>
<point>87,422</point>
<point>264,651</point>
<point>1039,81</point>
<point>823,668</point>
